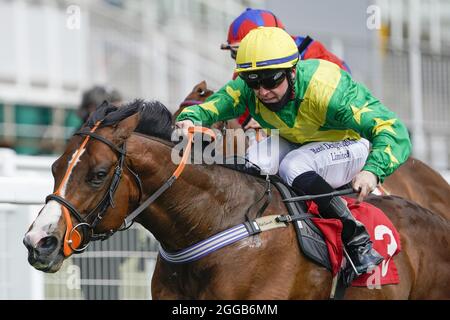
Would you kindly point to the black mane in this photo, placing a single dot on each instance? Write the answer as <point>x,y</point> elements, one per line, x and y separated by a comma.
<point>155,118</point>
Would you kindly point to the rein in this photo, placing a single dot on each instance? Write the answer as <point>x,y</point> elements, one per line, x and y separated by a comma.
<point>175,175</point>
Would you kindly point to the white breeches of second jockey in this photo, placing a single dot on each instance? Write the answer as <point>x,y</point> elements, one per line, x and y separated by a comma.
<point>336,162</point>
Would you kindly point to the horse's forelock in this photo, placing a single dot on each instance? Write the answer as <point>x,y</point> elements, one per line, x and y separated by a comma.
<point>123,112</point>
<point>155,120</point>
<point>100,113</point>
<point>110,114</point>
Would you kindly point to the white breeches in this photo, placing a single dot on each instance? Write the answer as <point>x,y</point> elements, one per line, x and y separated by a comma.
<point>336,162</point>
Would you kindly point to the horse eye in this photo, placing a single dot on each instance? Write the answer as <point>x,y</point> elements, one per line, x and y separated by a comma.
<point>96,178</point>
<point>201,92</point>
<point>100,175</point>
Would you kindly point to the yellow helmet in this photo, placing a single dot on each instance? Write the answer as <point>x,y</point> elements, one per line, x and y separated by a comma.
<point>266,48</point>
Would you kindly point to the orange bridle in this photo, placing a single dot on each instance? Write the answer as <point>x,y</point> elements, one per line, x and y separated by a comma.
<point>72,237</point>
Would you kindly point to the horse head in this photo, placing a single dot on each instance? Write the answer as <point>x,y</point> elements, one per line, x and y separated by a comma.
<point>198,95</point>
<point>93,189</point>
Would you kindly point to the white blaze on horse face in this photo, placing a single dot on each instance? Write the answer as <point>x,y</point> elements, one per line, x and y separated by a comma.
<point>47,221</point>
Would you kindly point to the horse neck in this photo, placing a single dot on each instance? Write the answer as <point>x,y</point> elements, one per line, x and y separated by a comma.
<point>204,200</point>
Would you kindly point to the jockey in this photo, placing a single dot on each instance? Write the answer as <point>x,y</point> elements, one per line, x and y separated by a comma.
<point>254,18</point>
<point>324,118</point>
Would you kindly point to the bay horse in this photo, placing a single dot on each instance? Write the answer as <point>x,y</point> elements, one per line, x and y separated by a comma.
<point>414,180</point>
<point>202,201</point>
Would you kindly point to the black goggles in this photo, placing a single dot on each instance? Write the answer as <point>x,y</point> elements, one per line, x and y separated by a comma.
<point>255,80</point>
<point>233,49</point>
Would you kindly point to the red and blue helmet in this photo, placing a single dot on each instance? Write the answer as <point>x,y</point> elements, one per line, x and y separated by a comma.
<point>248,20</point>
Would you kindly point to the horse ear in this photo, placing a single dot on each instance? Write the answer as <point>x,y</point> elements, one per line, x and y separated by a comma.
<point>125,128</point>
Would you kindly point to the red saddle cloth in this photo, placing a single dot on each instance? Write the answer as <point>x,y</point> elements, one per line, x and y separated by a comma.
<point>385,238</point>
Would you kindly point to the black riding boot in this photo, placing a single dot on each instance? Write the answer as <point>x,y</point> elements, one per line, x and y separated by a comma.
<point>354,235</point>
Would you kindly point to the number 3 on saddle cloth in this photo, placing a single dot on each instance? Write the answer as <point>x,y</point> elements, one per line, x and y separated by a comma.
<point>383,234</point>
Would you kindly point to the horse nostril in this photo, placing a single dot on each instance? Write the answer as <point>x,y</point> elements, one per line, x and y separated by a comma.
<point>27,244</point>
<point>48,243</point>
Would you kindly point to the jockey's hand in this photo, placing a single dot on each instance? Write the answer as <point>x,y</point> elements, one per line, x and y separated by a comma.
<point>364,182</point>
<point>184,125</point>
<point>252,124</point>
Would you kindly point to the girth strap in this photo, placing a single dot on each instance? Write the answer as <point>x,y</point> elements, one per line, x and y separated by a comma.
<point>222,239</point>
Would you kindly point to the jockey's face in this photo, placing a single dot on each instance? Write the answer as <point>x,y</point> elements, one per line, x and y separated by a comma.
<point>273,95</point>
